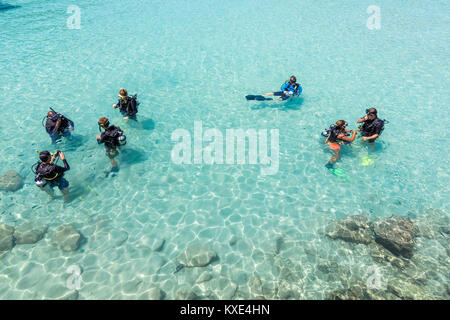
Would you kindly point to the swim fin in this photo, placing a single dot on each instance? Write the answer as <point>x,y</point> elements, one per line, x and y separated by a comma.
<point>257,97</point>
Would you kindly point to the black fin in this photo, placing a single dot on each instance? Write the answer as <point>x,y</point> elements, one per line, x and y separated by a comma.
<point>262,98</point>
<point>258,98</point>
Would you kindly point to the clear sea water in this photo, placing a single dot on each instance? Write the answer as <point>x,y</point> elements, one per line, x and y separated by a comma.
<point>195,61</point>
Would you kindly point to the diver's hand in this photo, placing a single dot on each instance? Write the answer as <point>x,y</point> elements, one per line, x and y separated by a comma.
<point>71,129</point>
<point>126,118</point>
<point>365,138</point>
<point>62,156</point>
<point>98,137</point>
<point>114,106</point>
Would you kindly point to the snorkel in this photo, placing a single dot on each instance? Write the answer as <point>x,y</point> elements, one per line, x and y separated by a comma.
<point>56,116</point>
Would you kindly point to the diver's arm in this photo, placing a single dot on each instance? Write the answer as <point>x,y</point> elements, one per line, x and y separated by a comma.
<point>284,87</point>
<point>72,125</point>
<point>66,165</point>
<point>63,158</point>
<point>48,127</point>
<point>376,135</point>
<point>100,138</point>
<point>344,138</point>
<point>53,158</point>
<point>58,123</point>
<point>362,119</point>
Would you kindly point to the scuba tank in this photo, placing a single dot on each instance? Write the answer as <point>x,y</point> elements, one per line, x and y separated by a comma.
<point>297,88</point>
<point>331,134</point>
<point>40,178</point>
<point>327,132</point>
<point>122,139</point>
<point>115,136</point>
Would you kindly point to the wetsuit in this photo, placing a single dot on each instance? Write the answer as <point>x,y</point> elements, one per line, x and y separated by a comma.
<point>109,138</point>
<point>53,174</point>
<point>334,142</point>
<point>128,107</point>
<point>57,132</point>
<point>371,127</point>
<point>293,89</point>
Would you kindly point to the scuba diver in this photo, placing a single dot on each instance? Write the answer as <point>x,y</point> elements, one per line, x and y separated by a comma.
<point>58,126</point>
<point>127,105</point>
<point>372,126</point>
<point>50,175</point>
<point>113,138</point>
<point>289,89</point>
<point>337,135</point>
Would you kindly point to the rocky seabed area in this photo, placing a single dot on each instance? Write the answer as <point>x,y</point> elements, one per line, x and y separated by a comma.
<point>383,258</point>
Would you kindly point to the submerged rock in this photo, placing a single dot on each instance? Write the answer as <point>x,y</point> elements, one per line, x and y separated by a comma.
<point>152,294</point>
<point>396,234</point>
<point>10,181</point>
<point>185,293</point>
<point>255,286</point>
<point>432,224</point>
<point>327,266</point>
<point>357,291</point>
<point>66,238</point>
<point>155,243</point>
<point>380,254</point>
<point>290,278</point>
<point>220,287</point>
<point>6,237</point>
<point>27,233</point>
<point>204,277</point>
<point>408,291</point>
<point>353,228</point>
<point>197,255</point>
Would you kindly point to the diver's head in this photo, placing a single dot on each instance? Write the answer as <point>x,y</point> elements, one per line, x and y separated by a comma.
<point>123,93</point>
<point>340,125</point>
<point>103,122</point>
<point>371,113</point>
<point>52,115</point>
<point>45,156</point>
<point>293,79</point>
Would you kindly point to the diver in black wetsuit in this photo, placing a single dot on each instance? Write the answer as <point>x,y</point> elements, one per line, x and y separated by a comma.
<point>113,138</point>
<point>372,125</point>
<point>50,175</point>
<point>127,105</point>
<point>58,126</point>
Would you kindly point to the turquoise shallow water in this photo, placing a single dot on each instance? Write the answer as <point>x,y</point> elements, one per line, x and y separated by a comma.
<point>195,61</point>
